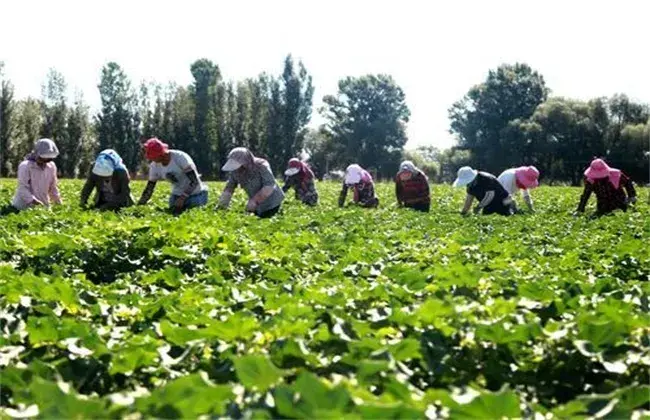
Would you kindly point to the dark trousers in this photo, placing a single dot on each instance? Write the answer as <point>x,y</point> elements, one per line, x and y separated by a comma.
<point>8,209</point>
<point>423,207</point>
<point>501,209</point>
<point>268,213</point>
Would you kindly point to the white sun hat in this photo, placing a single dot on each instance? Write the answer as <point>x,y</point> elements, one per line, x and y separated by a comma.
<point>103,167</point>
<point>291,171</point>
<point>353,174</point>
<point>465,176</point>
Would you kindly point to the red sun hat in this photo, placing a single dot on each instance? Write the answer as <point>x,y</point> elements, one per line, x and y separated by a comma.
<point>154,149</point>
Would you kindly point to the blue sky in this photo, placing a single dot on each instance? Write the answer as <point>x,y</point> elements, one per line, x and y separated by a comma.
<point>435,50</point>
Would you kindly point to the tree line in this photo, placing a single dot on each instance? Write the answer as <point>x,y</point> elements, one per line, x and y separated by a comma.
<point>510,120</point>
<point>507,120</point>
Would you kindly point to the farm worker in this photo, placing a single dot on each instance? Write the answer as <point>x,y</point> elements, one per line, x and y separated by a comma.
<point>110,178</point>
<point>256,178</point>
<point>522,178</point>
<point>301,178</point>
<point>178,168</point>
<point>360,181</point>
<point>412,187</point>
<point>485,187</point>
<point>37,178</point>
<point>610,186</point>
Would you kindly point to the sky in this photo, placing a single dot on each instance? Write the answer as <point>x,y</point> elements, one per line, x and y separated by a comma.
<point>435,50</point>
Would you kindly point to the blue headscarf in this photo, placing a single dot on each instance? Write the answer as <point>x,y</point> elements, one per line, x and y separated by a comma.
<point>107,162</point>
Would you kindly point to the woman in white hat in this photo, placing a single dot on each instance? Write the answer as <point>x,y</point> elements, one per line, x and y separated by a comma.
<point>256,178</point>
<point>300,177</point>
<point>487,189</point>
<point>37,178</point>
<point>111,179</point>
<point>361,183</point>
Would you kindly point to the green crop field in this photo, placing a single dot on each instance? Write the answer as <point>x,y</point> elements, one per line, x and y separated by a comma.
<point>325,312</point>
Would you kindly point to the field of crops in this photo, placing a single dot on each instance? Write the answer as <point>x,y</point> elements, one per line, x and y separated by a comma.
<point>325,312</point>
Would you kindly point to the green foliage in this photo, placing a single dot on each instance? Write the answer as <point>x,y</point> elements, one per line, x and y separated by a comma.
<point>118,124</point>
<point>324,312</point>
<point>481,117</point>
<point>508,121</point>
<point>367,122</point>
<point>7,106</point>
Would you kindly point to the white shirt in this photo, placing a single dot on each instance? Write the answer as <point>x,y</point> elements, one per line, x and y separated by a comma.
<point>509,182</point>
<point>174,172</point>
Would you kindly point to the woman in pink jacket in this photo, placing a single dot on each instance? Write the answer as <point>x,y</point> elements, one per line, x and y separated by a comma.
<point>37,179</point>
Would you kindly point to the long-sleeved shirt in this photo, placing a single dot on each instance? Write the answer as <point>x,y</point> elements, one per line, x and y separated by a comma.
<point>508,179</point>
<point>253,180</point>
<point>112,193</point>
<point>305,190</point>
<point>364,194</point>
<point>414,190</point>
<point>608,198</point>
<point>37,183</point>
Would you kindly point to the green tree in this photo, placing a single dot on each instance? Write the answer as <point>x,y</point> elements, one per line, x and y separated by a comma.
<point>298,93</point>
<point>424,161</point>
<point>367,119</point>
<point>450,160</point>
<point>572,134</point>
<point>322,151</point>
<point>27,122</point>
<point>6,119</point>
<point>481,117</point>
<point>633,151</point>
<point>242,115</point>
<point>55,119</point>
<point>206,77</point>
<point>80,136</point>
<point>258,114</point>
<point>146,95</point>
<point>626,116</point>
<point>183,117</point>
<point>118,122</point>
<point>274,133</point>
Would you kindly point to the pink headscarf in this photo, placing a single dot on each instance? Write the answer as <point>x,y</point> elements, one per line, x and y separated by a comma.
<point>598,169</point>
<point>527,177</point>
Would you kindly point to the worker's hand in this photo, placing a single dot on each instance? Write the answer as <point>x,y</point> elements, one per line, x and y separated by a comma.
<point>631,200</point>
<point>36,202</point>
<point>477,210</point>
<point>179,203</point>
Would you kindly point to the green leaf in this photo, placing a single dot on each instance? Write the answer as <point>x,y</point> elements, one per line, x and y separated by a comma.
<point>308,397</point>
<point>179,335</point>
<point>406,349</point>
<point>186,397</point>
<point>257,372</point>
<point>490,406</point>
<point>53,402</point>
<point>42,330</point>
